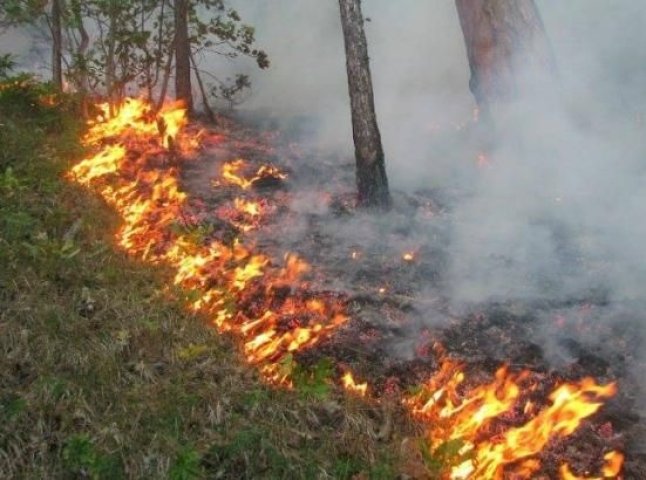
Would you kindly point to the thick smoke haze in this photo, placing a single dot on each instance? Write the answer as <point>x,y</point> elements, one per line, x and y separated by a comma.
<point>559,211</point>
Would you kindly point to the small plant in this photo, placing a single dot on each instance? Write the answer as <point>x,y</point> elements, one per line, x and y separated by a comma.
<point>444,457</point>
<point>249,455</point>
<point>7,64</point>
<point>81,457</point>
<point>313,381</point>
<point>186,466</point>
<point>11,406</point>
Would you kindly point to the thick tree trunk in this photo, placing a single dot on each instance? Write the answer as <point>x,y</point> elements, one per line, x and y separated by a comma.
<point>506,46</point>
<point>183,89</point>
<point>372,183</point>
<point>57,46</point>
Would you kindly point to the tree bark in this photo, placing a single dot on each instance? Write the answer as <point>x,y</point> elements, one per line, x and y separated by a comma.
<point>210,114</point>
<point>183,89</point>
<point>506,45</point>
<point>166,77</point>
<point>372,183</point>
<point>57,46</point>
<point>111,66</point>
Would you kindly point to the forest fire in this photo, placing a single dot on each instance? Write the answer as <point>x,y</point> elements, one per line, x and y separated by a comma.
<point>490,431</point>
<point>148,197</point>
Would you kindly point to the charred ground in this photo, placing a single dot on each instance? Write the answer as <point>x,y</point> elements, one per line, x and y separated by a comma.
<point>390,273</point>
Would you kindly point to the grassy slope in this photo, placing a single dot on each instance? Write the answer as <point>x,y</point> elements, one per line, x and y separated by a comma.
<point>103,376</point>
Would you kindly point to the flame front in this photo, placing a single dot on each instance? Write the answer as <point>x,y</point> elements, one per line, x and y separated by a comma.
<point>129,170</point>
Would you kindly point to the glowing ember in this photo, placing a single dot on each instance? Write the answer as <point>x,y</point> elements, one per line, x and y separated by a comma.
<point>351,386</point>
<point>408,256</point>
<point>483,160</point>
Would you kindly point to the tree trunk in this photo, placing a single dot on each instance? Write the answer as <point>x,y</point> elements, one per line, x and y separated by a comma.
<point>166,77</point>
<point>210,114</point>
<point>57,46</point>
<point>183,89</point>
<point>506,46</point>
<point>79,56</point>
<point>111,66</point>
<point>372,183</point>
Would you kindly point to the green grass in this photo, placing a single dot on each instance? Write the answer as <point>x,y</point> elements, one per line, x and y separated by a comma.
<point>102,375</point>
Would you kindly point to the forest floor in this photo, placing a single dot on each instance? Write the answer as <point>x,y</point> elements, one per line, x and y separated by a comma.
<point>103,374</point>
<point>391,269</point>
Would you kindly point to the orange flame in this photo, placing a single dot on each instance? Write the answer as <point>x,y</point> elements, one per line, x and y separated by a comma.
<point>466,416</point>
<point>232,174</point>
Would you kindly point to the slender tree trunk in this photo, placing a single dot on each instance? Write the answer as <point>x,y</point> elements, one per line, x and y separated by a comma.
<point>111,66</point>
<point>372,183</point>
<point>183,89</point>
<point>506,46</point>
<point>79,59</point>
<point>205,100</point>
<point>166,76</point>
<point>57,45</point>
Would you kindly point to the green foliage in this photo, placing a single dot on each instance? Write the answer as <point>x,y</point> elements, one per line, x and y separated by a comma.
<point>346,467</point>
<point>310,381</point>
<point>186,466</point>
<point>82,458</point>
<point>24,99</point>
<point>231,91</point>
<point>249,455</point>
<point>444,457</point>
<point>6,65</point>
<point>135,41</point>
<point>11,406</point>
<point>15,12</point>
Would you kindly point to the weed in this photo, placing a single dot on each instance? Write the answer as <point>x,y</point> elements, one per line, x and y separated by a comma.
<point>187,465</point>
<point>81,457</point>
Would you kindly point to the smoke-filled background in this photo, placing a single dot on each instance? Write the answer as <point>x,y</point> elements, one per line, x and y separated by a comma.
<point>560,210</point>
